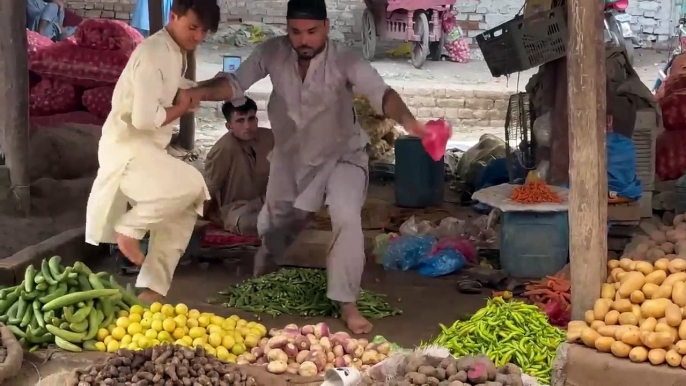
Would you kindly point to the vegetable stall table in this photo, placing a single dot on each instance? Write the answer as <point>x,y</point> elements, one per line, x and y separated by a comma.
<point>418,21</point>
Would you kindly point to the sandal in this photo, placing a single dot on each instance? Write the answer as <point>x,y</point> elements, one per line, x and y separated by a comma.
<point>468,286</point>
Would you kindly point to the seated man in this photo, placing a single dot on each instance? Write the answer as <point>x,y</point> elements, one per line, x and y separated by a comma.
<point>237,170</point>
<point>47,18</point>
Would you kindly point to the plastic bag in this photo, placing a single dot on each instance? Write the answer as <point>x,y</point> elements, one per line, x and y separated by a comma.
<point>107,35</point>
<point>407,252</point>
<point>464,246</point>
<point>412,228</point>
<point>435,142</point>
<point>670,157</point>
<point>449,227</point>
<point>51,97</point>
<point>621,167</point>
<point>98,100</point>
<point>455,41</point>
<point>444,262</point>
<point>78,65</point>
<point>381,244</point>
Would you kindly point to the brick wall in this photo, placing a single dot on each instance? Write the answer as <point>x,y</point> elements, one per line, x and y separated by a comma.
<point>653,19</point>
<point>106,9</point>
<point>343,13</point>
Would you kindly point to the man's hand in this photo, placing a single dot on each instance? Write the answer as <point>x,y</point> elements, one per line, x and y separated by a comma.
<point>187,99</point>
<point>414,127</point>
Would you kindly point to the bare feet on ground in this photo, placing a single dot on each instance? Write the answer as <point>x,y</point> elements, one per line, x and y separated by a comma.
<point>131,248</point>
<point>263,263</point>
<point>356,323</point>
<point>149,296</point>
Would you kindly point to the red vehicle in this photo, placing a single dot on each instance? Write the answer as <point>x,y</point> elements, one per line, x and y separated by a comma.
<point>417,21</point>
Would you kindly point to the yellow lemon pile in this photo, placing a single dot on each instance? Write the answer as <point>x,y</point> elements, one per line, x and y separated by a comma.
<point>141,328</point>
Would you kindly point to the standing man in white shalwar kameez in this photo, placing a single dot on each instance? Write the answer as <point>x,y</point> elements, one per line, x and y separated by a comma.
<point>319,155</point>
<point>166,194</point>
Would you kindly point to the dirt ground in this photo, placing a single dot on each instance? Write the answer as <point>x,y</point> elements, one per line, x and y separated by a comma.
<point>57,206</point>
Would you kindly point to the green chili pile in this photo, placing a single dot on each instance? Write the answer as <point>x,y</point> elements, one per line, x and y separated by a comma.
<point>507,332</point>
<point>297,291</point>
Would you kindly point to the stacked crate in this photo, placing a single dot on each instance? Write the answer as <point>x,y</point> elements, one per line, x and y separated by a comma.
<point>645,133</point>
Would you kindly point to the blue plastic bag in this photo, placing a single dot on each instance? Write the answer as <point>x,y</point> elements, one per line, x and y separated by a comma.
<point>621,167</point>
<point>407,252</point>
<point>444,262</point>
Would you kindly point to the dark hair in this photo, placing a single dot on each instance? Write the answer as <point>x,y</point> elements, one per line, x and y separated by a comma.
<point>207,11</point>
<point>228,108</point>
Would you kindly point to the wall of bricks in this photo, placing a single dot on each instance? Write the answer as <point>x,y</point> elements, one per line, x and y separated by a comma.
<point>653,19</point>
<point>106,9</point>
<point>463,108</point>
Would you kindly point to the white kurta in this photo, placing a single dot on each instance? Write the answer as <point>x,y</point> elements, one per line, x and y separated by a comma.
<point>166,194</point>
<point>319,153</point>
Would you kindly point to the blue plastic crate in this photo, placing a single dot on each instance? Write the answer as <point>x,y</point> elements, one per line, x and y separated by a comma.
<point>534,244</point>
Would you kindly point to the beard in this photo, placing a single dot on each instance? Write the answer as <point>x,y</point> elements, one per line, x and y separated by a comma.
<point>307,53</point>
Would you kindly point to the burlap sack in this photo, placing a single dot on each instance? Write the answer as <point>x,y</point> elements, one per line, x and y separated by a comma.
<point>15,355</point>
<point>263,378</point>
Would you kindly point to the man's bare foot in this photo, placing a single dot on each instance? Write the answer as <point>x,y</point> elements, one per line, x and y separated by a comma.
<point>263,262</point>
<point>149,296</point>
<point>131,248</point>
<point>356,323</point>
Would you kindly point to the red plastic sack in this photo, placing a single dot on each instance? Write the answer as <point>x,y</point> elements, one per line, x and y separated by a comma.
<point>464,246</point>
<point>439,132</point>
<point>670,155</point>
<point>80,117</point>
<point>107,35</point>
<point>50,97</point>
<point>98,100</point>
<point>79,66</point>
<point>36,42</point>
<point>673,106</point>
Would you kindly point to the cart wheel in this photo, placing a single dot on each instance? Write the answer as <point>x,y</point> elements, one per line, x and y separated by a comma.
<point>436,49</point>
<point>368,35</point>
<point>421,48</point>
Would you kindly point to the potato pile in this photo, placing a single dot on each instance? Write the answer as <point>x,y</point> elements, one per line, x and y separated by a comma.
<point>313,349</point>
<point>161,366</point>
<point>641,313</point>
<point>418,369</point>
<point>664,242</point>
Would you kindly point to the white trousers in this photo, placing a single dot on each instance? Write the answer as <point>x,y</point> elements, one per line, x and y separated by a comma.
<point>279,224</point>
<point>164,193</point>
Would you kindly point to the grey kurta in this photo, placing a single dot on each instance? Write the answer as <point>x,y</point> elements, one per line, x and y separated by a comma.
<point>319,151</point>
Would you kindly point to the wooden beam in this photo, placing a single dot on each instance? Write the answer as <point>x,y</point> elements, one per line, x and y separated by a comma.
<point>155,16</point>
<point>186,138</point>
<point>587,158</point>
<point>14,99</point>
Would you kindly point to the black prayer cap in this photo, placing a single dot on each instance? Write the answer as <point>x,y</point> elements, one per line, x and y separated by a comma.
<point>306,9</point>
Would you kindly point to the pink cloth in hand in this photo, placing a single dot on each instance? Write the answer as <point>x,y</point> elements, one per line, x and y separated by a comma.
<point>435,141</point>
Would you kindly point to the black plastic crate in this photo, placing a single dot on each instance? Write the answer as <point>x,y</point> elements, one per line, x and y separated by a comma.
<point>521,44</point>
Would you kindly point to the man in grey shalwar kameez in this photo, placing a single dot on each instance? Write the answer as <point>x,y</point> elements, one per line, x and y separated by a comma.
<point>319,155</point>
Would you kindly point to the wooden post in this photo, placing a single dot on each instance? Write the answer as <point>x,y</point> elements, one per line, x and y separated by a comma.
<point>155,16</point>
<point>186,138</point>
<point>587,158</point>
<point>14,99</point>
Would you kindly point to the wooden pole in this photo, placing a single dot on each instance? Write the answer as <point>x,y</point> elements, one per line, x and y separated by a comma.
<point>186,138</point>
<point>587,158</point>
<point>14,99</point>
<point>155,16</point>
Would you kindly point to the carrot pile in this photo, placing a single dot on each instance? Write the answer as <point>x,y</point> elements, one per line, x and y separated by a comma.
<point>552,295</point>
<point>534,192</point>
<point>551,289</point>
